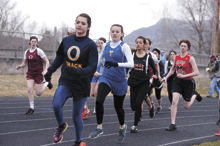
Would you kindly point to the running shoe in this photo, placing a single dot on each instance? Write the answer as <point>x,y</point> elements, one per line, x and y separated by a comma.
<point>94,111</point>
<point>80,144</point>
<point>30,111</point>
<point>151,112</point>
<point>172,127</point>
<point>159,110</point>
<point>198,96</point>
<point>121,134</point>
<point>218,123</point>
<point>87,114</point>
<point>50,85</point>
<point>58,136</point>
<point>209,96</point>
<point>134,129</point>
<point>96,133</point>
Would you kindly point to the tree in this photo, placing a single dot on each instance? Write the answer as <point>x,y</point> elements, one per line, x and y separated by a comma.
<point>197,13</point>
<point>9,19</point>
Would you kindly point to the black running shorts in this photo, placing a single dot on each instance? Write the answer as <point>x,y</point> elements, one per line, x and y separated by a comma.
<point>184,87</point>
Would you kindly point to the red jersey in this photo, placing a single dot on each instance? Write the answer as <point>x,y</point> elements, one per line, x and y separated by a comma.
<point>183,66</point>
<point>35,62</point>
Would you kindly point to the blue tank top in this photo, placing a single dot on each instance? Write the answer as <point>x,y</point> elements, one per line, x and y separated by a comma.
<point>114,55</point>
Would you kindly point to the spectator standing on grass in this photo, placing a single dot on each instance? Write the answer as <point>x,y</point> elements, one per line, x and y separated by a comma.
<point>214,74</point>
<point>33,58</point>
<point>183,83</point>
<point>78,56</point>
<point>117,55</point>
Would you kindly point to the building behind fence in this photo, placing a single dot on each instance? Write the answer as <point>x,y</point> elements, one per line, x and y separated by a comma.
<point>14,44</point>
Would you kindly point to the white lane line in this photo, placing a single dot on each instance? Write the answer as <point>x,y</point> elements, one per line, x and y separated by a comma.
<point>66,105</point>
<point>48,111</point>
<point>103,135</point>
<point>51,111</point>
<point>176,142</point>
<point>31,120</point>
<point>155,119</point>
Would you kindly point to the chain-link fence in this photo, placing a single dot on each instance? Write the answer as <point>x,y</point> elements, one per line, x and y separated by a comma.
<point>14,44</point>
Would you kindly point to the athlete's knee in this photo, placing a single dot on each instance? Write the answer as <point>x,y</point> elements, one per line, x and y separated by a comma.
<point>56,106</point>
<point>30,91</point>
<point>186,106</point>
<point>98,103</point>
<point>38,93</point>
<point>174,103</point>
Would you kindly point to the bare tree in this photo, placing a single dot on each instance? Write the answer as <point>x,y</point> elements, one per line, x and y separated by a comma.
<point>197,13</point>
<point>9,19</point>
<point>168,25</point>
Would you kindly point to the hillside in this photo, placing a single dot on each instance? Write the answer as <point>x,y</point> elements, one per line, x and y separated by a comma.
<point>160,35</point>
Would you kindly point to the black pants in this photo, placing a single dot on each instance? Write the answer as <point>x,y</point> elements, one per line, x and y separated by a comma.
<point>103,91</point>
<point>158,93</point>
<point>170,91</point>
<point>137,96</point>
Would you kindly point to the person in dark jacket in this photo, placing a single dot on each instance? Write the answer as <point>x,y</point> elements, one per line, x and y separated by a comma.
<point>78,56</point>
<point>214,74</point>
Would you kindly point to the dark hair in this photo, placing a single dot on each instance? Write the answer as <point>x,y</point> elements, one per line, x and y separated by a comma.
<point>33,37</point>
<point>150,42</point>
<point>102,39</point>
<point>173,52</point>
<point>89,21</point>
<point>170,53</point>
<point>185,41</point>
<point>122,30</point>
<point>141,37</point>
<point>158,51</point>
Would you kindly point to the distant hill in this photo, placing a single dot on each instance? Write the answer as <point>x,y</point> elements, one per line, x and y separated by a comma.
<point>160,36</point>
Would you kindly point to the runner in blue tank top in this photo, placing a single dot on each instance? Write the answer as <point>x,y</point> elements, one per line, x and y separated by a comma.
<point>117,55</point>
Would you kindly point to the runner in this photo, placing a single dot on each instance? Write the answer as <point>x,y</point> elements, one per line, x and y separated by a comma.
<point>94,84</point>
<point>113,79</point>
<point>78,56</point>
<point>157,83</point>
<point>139,80</point>
<point>168,66</point>
<point>33,58</point>
<point>183,83</point>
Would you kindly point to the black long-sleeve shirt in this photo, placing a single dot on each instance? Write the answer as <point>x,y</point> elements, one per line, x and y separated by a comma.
<point>80,53</point>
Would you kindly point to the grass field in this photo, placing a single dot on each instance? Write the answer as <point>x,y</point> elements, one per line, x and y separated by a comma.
<point>15,86</point>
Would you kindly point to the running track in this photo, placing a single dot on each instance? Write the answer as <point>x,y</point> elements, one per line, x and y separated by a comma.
<point>195,125</point>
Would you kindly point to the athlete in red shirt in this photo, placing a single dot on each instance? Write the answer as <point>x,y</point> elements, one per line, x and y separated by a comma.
<point>34,58</point>
<point>183,83</point>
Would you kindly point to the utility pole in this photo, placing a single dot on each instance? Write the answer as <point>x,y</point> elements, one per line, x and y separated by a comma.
<point>216,29</point>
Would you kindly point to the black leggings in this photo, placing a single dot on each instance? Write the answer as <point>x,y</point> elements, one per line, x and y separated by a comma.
<point>137,96</point>
<point>170,91</point>
<point>103,91</point>
<point>158,93</point>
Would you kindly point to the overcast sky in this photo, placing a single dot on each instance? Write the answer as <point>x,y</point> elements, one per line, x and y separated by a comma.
<point>131,14</point>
